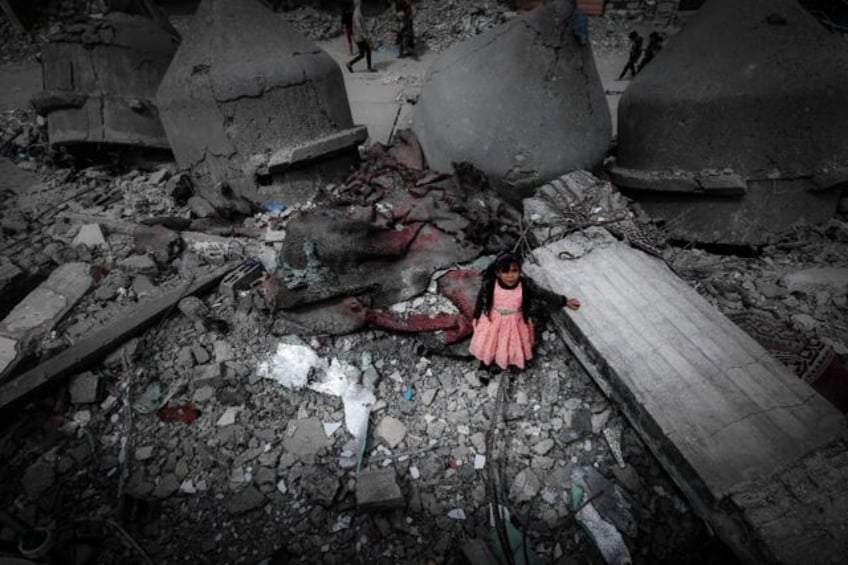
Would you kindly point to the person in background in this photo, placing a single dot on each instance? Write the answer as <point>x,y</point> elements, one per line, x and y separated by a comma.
<point>655,43</point>
<point>360,36</point>
<point>405,36</point>
<point>635,54</point>
<point>347,25</point>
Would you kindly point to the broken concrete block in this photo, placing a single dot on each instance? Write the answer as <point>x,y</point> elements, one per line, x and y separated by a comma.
<point>734,114</point>
<point>520,124</point>
<point>158,241</point>
<point>391,431</point>
<point>143,287</point>
<point>100,79</point>
<point>84,388</point>
<point>223,351</point>
<point>193,308</point>
<point>525,486</point>
<point>89,235</point>
<point>377,490</point>
<point>141,264</point>
<point>200,354</point>
<point>8,352</point>
<point>223,122</point>
<point>244,501</point>
<point>201,207</point>
<point>51,300</point>
<point>38,477</point>
<point>167,485</point>
<point>833,279</point>
<point>307,437</point>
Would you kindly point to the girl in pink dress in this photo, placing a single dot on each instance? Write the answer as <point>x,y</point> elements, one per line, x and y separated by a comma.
<point>506,306</point>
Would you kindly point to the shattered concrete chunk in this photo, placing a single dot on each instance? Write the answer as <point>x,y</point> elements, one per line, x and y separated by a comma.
<point>38,477</point>
<point>160,242</point>
<point>141,264</point>
<point>525,486</point>
<point>772,146</point>
<point>307,437</point>
<point>84,387</point>
<point>377,490</point>
<point>224,125</point>
<point>193,308</point>
<point>390,430</point>
<point>89,235</point>
<point>228,418</point>
<point>833,279</point>
<point>167,485</point>
<point>244,501</point>
<point>83,98</point>
<point>51,300</point>
<point>552,117</point>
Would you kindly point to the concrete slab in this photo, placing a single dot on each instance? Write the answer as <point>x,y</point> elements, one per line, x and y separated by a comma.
<point>734,428</point>
<point>51,300</point>
<point>8,352</point>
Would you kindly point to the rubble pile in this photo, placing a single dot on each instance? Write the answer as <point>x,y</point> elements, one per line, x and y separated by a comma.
<point>235,467</point>
<point>231,431</point>
<point>213,445</point>
<point>438,25</point>
<point>17,48</point>
<point>23,138</point>
<point>799,282</point>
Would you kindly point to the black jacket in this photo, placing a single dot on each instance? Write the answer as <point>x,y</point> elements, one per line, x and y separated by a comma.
<point>536,302</point>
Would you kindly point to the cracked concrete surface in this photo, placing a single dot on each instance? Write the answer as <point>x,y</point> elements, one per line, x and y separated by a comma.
<point>482,103</point>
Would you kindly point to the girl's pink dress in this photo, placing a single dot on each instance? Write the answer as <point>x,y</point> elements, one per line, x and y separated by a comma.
<point>503,336</point>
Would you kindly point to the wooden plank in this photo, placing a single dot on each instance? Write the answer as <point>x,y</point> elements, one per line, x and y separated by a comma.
<point>104,340</point>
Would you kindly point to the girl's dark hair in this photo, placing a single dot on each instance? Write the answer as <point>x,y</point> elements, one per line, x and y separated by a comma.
<point>504,260</point>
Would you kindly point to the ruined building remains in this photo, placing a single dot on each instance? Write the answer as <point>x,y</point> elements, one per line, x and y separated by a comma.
<point>736,131</point>
<point>522,102</point>
<point>248,97</point>
<point>100,80</point>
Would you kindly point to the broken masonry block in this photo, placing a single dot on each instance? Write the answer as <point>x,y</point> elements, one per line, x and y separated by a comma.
<point>84,388</point>
<point>378,490</point>
<point>551,117</point>
<point>163,244</point>
<point>766,124</point>
<point>100,80</point>
<point>248,95</point>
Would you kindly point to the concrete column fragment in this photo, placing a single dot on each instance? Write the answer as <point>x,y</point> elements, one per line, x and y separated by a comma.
<point>100,81</point>
<point>522,102</point>
<point>247,94</point>
<point>736,130</point>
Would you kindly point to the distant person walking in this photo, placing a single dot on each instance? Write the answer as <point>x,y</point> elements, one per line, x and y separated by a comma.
<point>347,25</point>
<point>635,54</point>
<point>655,43</point>
<point>405,35</point>
<point>360,36</point>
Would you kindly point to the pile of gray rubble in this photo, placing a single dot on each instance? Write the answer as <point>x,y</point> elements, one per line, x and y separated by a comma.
<point>271,382</point>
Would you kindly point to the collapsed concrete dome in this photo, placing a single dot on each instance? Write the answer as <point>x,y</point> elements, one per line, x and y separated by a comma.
<point>100,80</point>
<point>522,102</point>
<point>247,95</point>
<point>736,130</point>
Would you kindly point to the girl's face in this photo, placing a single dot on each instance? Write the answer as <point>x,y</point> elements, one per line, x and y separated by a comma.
<point>509,275</point>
